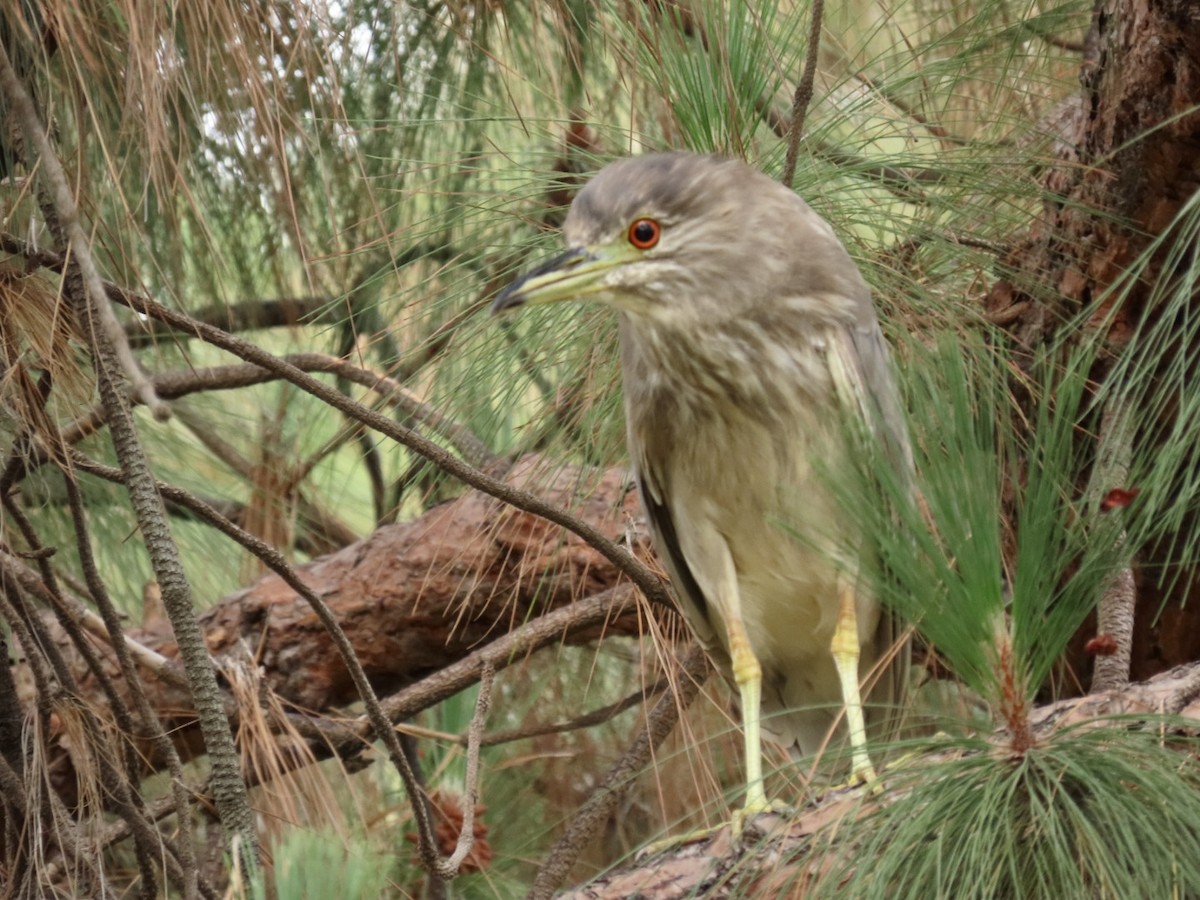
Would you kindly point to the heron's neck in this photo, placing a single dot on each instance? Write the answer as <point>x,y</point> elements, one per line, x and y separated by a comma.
<point>742,360</point>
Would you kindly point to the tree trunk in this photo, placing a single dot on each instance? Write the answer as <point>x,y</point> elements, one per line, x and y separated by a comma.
<point>1129,161</point>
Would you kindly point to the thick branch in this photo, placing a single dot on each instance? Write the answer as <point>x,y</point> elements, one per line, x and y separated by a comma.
<point>785,859</point>
<point>417,598</point>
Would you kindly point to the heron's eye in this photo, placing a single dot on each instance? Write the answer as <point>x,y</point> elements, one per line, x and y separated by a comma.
<point>644,233</point>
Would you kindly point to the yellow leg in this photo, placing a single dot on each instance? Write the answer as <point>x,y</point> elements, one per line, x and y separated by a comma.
<point>747,674</point>
<point>844,647</point>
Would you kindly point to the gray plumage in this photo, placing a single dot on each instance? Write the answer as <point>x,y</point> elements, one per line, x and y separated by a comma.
<point>746,333</point>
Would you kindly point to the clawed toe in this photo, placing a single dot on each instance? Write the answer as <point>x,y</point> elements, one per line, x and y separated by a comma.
<point>743,826</point>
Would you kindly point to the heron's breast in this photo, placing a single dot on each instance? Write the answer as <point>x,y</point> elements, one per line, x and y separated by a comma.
<point>764,485</point>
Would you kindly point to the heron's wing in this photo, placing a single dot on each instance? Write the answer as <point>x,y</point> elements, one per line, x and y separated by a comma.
<point>666,542</point>
<point>866,381</point>
<point>861,371</point>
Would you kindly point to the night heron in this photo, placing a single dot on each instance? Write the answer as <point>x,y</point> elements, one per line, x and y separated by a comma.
<point>747,335</point>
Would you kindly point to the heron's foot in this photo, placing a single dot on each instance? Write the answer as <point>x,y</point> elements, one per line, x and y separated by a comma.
<point>862,772</point>
<point>744,818</point>
<point>742,826</point>
<point>676,841</point>
<point>862,775</point>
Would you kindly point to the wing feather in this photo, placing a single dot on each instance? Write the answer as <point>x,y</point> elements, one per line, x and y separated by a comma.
<point>861,371</point>
<point>666,542</point>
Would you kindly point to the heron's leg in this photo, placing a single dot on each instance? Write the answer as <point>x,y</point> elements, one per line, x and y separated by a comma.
<point>844,647</point>
<point>747,675</point>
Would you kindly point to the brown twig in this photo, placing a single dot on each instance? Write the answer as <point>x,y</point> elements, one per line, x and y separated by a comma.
<point>504,651</point>
<point>587,720</point>
<point>694,668</point>
<point>124,784</point>
<point>804,93</point>
<point>909,110</point>
<point>466,835</point>
<point>898,181</point>
<point>275,312</point>
<point>274,560</point>
<point>182,382</point>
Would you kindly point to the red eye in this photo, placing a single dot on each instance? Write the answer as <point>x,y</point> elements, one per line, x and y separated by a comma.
<point>644,233</point>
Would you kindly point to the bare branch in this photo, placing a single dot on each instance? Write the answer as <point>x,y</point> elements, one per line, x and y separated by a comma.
<point>587,720</point>
<point>804,93</point>
<point>77,243</point>
<point>466,835</point>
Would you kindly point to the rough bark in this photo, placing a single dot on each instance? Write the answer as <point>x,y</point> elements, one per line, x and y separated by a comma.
<point>779,857</point>
<point>1129,156</point>
<point>412,598</point>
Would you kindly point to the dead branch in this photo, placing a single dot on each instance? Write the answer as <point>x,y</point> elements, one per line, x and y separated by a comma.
<point>413,599</point>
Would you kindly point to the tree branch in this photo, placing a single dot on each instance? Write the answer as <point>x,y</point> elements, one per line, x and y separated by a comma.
<point>804,93</point>
<point>114,363</point>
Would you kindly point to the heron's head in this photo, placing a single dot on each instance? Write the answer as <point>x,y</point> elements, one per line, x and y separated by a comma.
<point>675,238</point>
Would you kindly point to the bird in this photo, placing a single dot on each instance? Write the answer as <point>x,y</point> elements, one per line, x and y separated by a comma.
<point>748,338</point>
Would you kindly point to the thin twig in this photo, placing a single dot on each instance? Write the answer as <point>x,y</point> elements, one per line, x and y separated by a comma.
<point>587,720</point>
<point>907,109</point>
<point>504,651</point>
<point>804,93</point>
<point>694,668</point>
<point>179,383</point>
<point>21,106</point>
<point>247,315</point>
<point>466,835</point>
<point>75,610</point>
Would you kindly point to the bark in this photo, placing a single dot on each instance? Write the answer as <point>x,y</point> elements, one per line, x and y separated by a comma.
<point>413,599</point>
<point>781,857</point>
<point>1128,149</point>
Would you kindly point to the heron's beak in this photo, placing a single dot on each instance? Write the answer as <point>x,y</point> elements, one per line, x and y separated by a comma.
<point>578,273</point>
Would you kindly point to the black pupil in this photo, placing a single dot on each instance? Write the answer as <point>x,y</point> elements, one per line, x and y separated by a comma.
<point>644,232</point>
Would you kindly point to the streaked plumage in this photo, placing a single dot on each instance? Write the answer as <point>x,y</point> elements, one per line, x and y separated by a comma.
<point>746,331</point>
